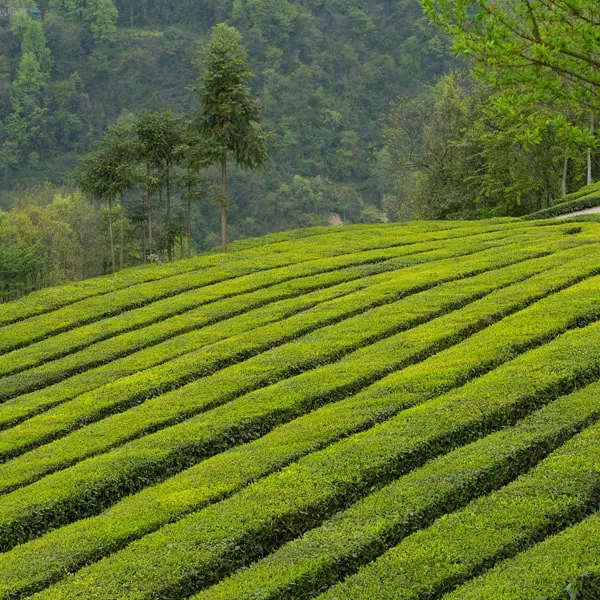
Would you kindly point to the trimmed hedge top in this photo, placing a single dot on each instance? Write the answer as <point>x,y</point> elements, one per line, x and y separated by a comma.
<point>587,197</point>
<point>395,411</point>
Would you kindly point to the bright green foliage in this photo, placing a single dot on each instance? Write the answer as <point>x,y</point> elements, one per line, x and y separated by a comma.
<point>67,234</point>
<point>352,537</point>
<point>542,61</point>
<point>558,492</point>
<point>551,49</point>
<point>191,311</point>
<point>354,412</point>
<point>564,566</point>
<point>151,284</point>
<point>306,352</point>
<point>51,299</point>
<point>198,549</point>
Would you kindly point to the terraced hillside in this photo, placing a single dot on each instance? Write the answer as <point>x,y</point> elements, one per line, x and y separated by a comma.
<point>398,411</point>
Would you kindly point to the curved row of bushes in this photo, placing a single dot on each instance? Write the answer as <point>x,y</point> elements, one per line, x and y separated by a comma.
<point>317,336</point>
<point>176,316</point>
<point>113,302</point>
<point>364,531</point>
<point>587,197</point>
<point>203,547</point>
<point>563,566</point>
<point>560,491</point>
<point>365,411</point>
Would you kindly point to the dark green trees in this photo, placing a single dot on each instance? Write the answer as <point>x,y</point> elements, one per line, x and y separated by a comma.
<point>18,268</point>
<point>229,121</point>
<point>159,137</point>
<point>98,16</point>
<point>22,125</point>
<point>107,172</point>
<point>542,60</point>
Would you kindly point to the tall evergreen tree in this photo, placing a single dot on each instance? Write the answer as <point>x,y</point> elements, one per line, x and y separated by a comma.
<point>229,121</point>
<point>99,16</point>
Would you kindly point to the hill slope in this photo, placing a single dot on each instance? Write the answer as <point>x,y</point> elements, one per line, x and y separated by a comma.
<point>401,411</point>
<point>583,200</point>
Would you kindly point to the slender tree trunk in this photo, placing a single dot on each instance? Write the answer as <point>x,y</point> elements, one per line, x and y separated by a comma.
<point>161,216</point>
<point>122,235</point>
<point>160,204</point>
<point>143,226</point>
<point>181,253</point>
<point>589,154</point>
<point>169,235</point>
<point>149,200</point>
<point>223,202</point>
<point>110,235</point>
<point>189,223</point>
<point>565,173</point>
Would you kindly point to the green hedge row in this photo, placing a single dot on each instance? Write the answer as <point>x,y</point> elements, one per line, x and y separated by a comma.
<point>17,409</point>
<point>563,567</point>
<point>50,299</point>
<point>200,309</point>
<point>65,549</point>
<point>48,353</point>
<point>307,232</point>
<point>323,556</point>
<point>203,547</point>
<point>111,303</point>
<point>323,344</point>
<point>96,483</point>
<point>590,200</point>
<point>200,286</point>
<point>558,492</point>
<point>80,337</point>
<point>586,190</point>
<point>180,305</point>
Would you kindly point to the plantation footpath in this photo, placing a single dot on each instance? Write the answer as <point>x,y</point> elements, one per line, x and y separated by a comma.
<point>379,411</point>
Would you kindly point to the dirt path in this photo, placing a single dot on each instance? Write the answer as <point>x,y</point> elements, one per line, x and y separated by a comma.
<point>587,211</point>
<point>335,219</point>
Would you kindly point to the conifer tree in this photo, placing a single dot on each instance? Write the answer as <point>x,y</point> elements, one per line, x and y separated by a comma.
<point>229,121</point>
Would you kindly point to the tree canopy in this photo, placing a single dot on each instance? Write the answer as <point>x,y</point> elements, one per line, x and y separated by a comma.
<point>549,47</point>
<point>229,122</point>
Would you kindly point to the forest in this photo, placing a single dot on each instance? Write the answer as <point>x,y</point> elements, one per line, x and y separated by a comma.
<point>375,111</point>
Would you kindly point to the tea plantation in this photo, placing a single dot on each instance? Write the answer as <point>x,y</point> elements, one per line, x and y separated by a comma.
<point>365,412</point>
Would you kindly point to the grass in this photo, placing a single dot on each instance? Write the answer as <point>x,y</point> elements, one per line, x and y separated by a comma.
<point>406,411</point>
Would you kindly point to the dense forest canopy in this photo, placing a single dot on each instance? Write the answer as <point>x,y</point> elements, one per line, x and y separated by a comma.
<point>325,73</point>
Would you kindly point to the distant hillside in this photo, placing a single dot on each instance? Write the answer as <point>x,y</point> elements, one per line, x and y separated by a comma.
<point>355,412</point>
<point>325,72</point>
